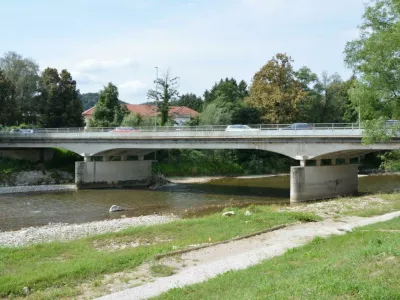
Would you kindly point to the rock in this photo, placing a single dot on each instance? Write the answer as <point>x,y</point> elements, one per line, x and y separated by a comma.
<point>123,216</point>
<point>25,290</point>
<point>115,208</point>
<point>228,213</point>
<point>247,213</point>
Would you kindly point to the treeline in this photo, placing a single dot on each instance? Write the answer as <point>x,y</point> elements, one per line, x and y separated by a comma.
<point>49,99</point>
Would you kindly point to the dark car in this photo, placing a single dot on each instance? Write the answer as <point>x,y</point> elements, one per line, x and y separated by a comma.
<point>298,126</point>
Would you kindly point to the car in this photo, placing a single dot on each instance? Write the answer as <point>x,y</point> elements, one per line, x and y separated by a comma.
<point>22,131</point>
<point>125,129</point>
<point>298,126</point>
<point>392,123</point>
<point>240,128</point>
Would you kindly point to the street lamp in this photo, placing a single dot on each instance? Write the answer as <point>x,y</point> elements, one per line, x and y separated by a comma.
<point>359,112</point>
<point>155,121</point>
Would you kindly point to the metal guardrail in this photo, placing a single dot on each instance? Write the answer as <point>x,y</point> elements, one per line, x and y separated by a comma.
<point>261,127</point>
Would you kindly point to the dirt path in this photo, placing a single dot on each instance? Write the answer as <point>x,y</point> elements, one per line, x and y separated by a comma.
<point>200,265</point>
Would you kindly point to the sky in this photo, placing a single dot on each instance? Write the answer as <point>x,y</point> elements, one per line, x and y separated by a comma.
<point>199,41</point>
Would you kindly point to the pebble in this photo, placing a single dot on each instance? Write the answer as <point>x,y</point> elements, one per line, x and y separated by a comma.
<point>65,232</point>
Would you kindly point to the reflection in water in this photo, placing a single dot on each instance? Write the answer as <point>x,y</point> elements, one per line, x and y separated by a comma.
<point>34,209</point>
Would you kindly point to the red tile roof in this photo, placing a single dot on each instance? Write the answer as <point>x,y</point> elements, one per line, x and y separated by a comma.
<point>149,110</point>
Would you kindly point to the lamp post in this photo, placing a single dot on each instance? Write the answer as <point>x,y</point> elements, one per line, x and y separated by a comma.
<point>155,121</point>
<point>359,113</point>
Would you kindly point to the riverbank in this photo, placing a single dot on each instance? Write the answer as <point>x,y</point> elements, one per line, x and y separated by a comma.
<point>37,188</point>
<point>78,262</point>
<point>128,256</point>
<point>361,264</point>
<point>65,232</point>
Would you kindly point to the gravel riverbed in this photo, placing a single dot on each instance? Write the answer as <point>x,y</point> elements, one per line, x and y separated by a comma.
<point>65,232</point>
<point>37,188</point>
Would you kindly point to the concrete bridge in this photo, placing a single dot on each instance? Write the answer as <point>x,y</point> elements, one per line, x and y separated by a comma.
<point>340,145</point>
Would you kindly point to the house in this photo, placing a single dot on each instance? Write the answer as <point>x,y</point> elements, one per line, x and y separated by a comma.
<point>180,114</point>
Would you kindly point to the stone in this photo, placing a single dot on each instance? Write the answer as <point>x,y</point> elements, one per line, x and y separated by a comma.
<point>228,213</point>
<point>25,290</point>
<point>115,208</point>
<point>247,213</point>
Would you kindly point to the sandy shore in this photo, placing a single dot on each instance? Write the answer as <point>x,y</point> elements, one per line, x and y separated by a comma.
<point>65,232</point>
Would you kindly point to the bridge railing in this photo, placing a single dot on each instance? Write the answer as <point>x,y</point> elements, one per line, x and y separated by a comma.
<point>315,126</point>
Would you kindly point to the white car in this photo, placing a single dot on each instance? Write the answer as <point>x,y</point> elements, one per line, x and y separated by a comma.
<point>240,128</point>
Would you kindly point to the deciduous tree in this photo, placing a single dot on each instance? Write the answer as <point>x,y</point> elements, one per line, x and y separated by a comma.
<point>7,100</point>
<point>166,92</point>
<point>108,111</point>
<point>24,74</point>
<point>374,56</point>
<point>276,91</point>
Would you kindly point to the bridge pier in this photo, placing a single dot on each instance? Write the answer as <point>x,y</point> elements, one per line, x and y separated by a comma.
<point>99,174</point>
<point>321,182</point>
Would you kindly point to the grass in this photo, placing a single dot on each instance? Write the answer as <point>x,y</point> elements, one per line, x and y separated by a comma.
<point>390,203</point>
<point>160,270</point>
<point>364,264</point>
<point>61,266</point>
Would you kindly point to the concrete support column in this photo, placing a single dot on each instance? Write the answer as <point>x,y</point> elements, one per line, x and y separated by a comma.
<point>140,157</point>
<point>96,174</point>
<point>318,162</point>
<point>322,182</point>
<point>87,158</point>
<point>303,163</point>
<point>124,157</point>
<point>333,161</point>
<point>347,160</point>
<point>106,158</point>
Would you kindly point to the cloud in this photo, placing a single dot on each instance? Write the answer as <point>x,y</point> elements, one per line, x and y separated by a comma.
<point>134,86</point>
<point>93,65</point>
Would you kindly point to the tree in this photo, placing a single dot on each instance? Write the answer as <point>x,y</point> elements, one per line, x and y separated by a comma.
<point>108,112</point>
<point>166,92</point>
<point>7,100</point>
<point>189,100</point>
<point>24,74</point>
<point>58,100</point>
<point>245,114</point>
<point>374,56</point>
<point>276,91</point>
<point>89,100</point>
<point>227,90</point>
<point>214,114</point>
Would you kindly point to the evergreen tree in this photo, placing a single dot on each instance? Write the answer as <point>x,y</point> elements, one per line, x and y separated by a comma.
<point>58,98</point>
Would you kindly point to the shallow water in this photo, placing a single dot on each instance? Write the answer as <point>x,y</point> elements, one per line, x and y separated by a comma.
<point>35,209</point>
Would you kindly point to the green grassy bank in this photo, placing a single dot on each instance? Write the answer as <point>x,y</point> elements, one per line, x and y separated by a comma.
<point>364,264</point>
<point>62,266</point>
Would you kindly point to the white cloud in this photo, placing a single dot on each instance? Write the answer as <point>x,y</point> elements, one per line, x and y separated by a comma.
<point>133,86</point>
<point>214,41</point>
<point>93,65</point>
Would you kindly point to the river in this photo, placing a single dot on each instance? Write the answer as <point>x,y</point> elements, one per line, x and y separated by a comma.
<point>35,209</point>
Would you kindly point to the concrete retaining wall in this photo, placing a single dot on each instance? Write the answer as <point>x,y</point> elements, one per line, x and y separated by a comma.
<point>112,173</point>
<point>314,183</point>
<point>28,154</point>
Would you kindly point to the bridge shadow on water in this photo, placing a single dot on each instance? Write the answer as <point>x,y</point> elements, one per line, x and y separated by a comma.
<point>278,193</point>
